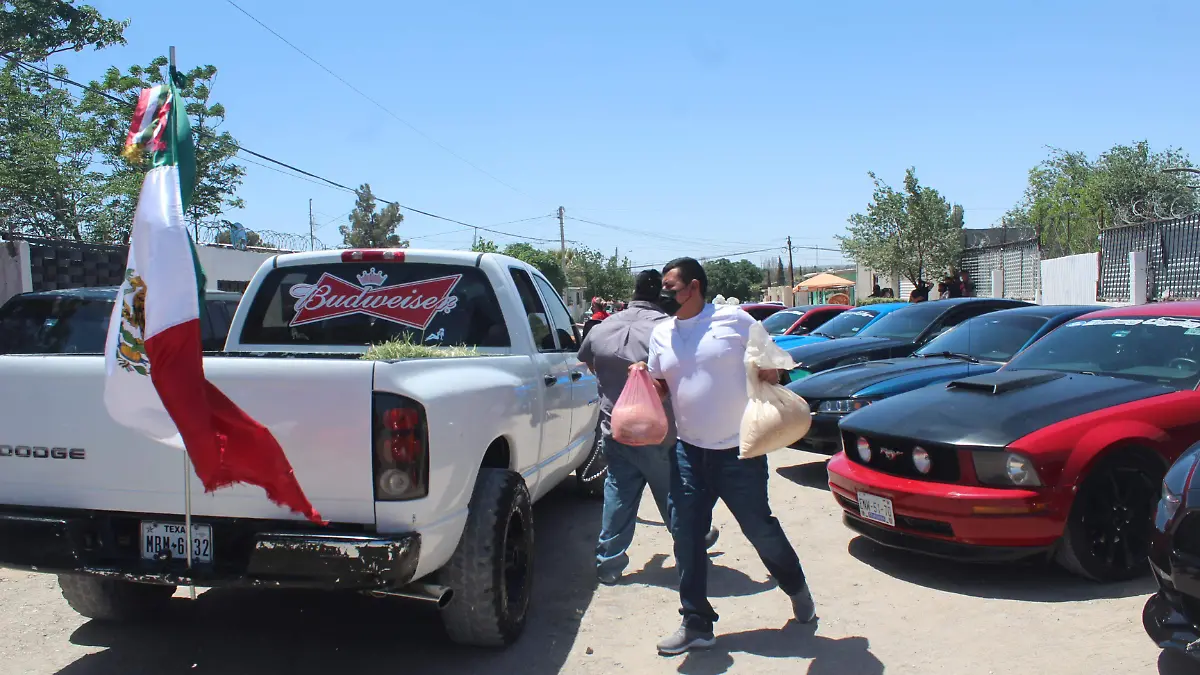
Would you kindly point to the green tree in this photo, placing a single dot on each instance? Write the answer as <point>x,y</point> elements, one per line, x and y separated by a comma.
<point>371,229</point>
<point>1070,198</point>
<point>781,273</point>
<point>31,30</point>
<point>485,246</point>
<point>218,176</point>
<point>911,233</point>
<point>545,261</point>
<point>600,276</point>
<point>252,238</point>
<point>49,184</point>
<point>741,279</point>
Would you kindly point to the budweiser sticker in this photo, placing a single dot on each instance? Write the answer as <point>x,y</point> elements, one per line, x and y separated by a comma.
<point>412,304</point>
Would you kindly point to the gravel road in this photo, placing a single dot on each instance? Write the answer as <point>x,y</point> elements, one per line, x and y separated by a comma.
<point>880,611</point>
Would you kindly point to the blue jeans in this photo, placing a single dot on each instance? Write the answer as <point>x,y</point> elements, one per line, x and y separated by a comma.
<point>629,471</point>
<point>698,478</point>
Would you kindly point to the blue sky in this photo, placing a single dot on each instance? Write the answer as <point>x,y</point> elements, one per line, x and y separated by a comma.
<point>708,128</point>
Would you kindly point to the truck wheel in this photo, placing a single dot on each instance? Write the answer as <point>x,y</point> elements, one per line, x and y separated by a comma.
<point>114,599</point>
<point>589,476</point>
<point>1107,537</point>
<point>491,572</point>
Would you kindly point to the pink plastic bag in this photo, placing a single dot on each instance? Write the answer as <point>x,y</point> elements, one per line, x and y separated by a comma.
<point>638,417</point>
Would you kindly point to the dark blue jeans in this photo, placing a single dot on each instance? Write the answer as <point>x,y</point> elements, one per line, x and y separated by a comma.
<point>698,478</point>
<point>630,470</point>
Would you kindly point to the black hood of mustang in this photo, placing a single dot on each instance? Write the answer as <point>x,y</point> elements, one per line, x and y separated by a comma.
<point>910,372</point>
<point>826,355</point>
<point>996,409</point>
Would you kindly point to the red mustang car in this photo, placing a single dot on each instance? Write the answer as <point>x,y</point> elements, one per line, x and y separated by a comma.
<point>802,319</point>
<point>1062,452</point>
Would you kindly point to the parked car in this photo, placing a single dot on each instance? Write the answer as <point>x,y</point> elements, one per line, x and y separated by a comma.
<point>975,347</point>
<point>900,333</point>
<point>802,319</point>
<point>426,468</point>
<point>75,321</point>
<point>846,324</point>
<point>761,310</point>
<point>1171,616</point>
<point>1060,453</point>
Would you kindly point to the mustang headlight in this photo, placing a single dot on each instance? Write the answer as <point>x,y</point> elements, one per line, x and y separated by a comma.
<point>841,406</point>
<point>1174,485</point>
<point>997,467</point>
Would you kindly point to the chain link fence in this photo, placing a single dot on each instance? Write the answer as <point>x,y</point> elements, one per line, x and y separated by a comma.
<point>1172,258</point>
<point>1020,261</point>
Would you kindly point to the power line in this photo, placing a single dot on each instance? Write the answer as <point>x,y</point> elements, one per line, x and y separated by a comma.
<point>655,235</point>
<point>709,257</point>
<point>376,103</point>
<point>241,148</point>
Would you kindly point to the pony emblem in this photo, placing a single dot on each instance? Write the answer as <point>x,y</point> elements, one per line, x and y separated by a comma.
<point>131,345</point>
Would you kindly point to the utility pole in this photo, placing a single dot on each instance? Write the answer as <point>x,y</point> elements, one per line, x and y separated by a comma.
<point>311,231</point>
<point>791,270</point>
<point>562,235</point>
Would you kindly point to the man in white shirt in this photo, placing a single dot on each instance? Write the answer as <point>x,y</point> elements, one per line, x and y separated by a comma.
<point>698,357</point>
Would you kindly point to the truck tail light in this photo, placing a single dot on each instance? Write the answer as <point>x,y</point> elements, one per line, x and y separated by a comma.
<point>373,255</point>
<point>401,448</point>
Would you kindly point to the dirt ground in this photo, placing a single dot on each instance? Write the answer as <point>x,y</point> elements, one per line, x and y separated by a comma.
<point>880,611</point>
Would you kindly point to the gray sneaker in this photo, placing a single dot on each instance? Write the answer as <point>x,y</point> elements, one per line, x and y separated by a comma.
<point>685,639</point>
<point>710,539</point>
<point>803,606</point>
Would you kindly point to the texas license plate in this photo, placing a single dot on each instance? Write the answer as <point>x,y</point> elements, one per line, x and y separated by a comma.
<point>159,539</point>
<point>878,509</point>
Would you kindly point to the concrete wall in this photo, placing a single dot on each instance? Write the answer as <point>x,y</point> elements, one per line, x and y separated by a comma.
<point>14,269</point>
<point>229,265</point>
<point>1070,280</point>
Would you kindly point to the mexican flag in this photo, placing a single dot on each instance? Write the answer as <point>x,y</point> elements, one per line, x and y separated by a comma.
<point>155,379</point>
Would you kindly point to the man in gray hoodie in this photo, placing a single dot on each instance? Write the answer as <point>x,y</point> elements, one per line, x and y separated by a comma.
<point>609,349</point>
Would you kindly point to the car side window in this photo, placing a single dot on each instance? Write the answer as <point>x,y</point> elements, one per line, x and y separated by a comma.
<point>535,312</point>
<point>959,315</point>
<point>560,318</point>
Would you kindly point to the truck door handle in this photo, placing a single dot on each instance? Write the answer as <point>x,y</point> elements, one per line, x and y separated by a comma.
<point>576,376</point>
<point>550,380</point>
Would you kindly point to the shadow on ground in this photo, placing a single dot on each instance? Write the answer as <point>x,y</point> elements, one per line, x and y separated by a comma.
<point>1034,581</point>
<point>303,633</point>
<point>844,656</point>
<point>723,582</point>
<point>812,474</point>
<point>1173,663</point>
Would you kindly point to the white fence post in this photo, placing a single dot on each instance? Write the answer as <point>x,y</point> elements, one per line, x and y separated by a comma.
<point>1137,277</point>
<point>998,283</point>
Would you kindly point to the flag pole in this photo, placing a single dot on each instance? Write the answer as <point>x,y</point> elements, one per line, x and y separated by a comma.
<point>187,461</point>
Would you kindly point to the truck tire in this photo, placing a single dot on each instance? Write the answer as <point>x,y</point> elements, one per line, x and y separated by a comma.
<point>491,572</point>
<point>114,599</point>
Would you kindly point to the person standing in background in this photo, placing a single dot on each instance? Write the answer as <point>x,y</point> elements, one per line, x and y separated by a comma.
<point>697,359</point>
<point>609,350</point>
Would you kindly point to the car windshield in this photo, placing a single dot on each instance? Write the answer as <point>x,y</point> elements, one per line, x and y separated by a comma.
<point>991,337</point>
<point>1162,350</point>
<point>847,324</point>
<point>905,323</point>
<point>779,322</point>
<point>54,325</point>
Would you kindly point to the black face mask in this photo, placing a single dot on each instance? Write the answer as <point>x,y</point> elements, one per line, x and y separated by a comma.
<point>668,303</point>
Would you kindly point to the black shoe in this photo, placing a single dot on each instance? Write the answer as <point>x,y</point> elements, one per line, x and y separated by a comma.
<point>608,577</point>
<point>803,606</point>
<point>710,539</point>
<point>685,639</point>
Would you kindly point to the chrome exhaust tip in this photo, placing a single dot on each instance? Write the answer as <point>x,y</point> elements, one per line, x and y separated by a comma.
<point>439,595</point>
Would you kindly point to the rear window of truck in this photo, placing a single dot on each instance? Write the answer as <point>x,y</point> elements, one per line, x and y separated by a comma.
<point>353,304</point>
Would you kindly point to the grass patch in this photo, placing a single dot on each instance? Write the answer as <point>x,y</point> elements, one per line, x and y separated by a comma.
<point>406,348</point>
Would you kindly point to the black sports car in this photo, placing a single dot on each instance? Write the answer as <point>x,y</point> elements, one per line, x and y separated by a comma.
<point>900,333</point>
<point>1172,615</point>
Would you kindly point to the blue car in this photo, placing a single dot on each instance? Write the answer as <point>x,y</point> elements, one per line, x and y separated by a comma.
<point>975,347</point>
<point>846,324</point>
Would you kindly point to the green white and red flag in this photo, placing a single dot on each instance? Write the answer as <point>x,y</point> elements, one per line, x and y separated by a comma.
<point>155,380</point>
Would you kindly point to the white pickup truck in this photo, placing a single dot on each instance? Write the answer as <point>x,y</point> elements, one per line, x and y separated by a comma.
<point>425,468</point>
